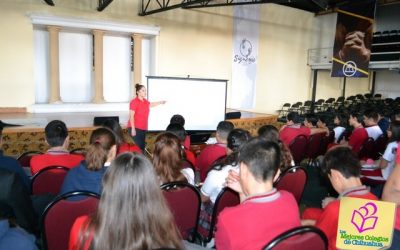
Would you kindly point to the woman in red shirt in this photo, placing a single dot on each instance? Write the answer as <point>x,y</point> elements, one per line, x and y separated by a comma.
<point>139,109</point>
<point>132,212</point>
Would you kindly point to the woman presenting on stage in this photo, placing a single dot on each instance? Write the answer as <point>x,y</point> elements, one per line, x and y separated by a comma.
<point>139,109</point>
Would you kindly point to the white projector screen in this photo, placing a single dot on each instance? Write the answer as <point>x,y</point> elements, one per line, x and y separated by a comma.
<point>201,102</point>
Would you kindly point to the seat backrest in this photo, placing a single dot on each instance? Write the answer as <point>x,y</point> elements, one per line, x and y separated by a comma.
<point>313,145</point>
<point>379,146</point>
<point>49,180</point>
<point>292,180</point>
<point>366,149</point>
<point>298,148</point>
<point>60,215</point>
<point>325,141</point>
<point>226,198</point>
<point>78,151</point>
<point>304,237</point>
<point>25,158</point>
<point>184,201</point>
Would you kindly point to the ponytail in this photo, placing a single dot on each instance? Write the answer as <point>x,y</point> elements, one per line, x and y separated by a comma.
<point>101,141</point>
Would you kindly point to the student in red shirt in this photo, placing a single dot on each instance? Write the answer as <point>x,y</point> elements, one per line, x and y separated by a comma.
<point>293,128</point>
<point>179,119</point>
<point>256,221</point>
<point>123,145</point>
<point>132,212</point>
<point>359,134</point>
<point>214,151</point>
<point>139,109</point>
<point>180,132</point>
<point>56,133</point>
<point>343,168</point>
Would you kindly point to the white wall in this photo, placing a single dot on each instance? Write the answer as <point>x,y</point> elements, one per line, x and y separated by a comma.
<point>191,42</point>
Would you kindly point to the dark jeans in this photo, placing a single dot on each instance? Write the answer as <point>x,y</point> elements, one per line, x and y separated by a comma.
<point>139,138</point>
<point>395,240</point>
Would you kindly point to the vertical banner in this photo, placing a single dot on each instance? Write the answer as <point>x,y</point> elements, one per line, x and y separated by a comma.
<point>353,38</point>
<point>245,53</point>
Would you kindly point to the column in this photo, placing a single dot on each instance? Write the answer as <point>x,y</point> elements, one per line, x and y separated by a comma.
<point>137,60</point>
<point>54,65</point>
<point>98,96</point>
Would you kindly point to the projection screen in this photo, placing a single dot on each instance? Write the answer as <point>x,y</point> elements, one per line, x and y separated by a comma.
<point>201,102</point>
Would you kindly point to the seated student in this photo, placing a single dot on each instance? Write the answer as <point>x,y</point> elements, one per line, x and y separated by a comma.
<point>271,133</point>
<point>340,125</point>
<point>11,164</point>
<point>122,144</point>
<point>88,175</point>
<point>58,155</point>
<point>371,124</point>
<point>383,122</point>
<point>387,161</point>
<point>132,212</point>
<point>168,160</point>
<point>293,128</point>
<point>342,167</point>
<point>179,119</point>
<point>180,132</point>
<point>255,222</point>
<point>310,120</point>
<point>14,237</point>
<point>215,180</point>
<point>359,134</point>
<point>16,203</point>
<point>212,152</point>
<point>391,193</point>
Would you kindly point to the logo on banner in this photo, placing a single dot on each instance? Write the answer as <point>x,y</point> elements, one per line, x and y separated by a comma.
<point>245,49</point>
<point>365,224</point>
<point>349,68</point>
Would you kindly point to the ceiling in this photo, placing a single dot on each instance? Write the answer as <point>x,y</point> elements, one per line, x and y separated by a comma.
<point>149,7</point>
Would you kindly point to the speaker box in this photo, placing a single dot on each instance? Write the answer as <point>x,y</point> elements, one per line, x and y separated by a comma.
<point>233,115</point>
<point>99,120</point>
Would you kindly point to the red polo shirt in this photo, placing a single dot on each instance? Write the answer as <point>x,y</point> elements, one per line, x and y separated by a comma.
<point>141,109</point>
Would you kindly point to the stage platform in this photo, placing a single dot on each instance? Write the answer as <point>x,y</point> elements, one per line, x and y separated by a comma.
<point>30,136</point>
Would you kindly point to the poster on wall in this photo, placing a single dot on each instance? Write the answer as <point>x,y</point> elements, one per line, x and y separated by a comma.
<point>245,53</point>
<point>353,38</point>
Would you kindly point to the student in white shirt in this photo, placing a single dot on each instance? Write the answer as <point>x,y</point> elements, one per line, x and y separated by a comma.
<point>371,124</point>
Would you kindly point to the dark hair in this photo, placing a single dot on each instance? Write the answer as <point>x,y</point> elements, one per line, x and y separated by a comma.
<point>56,132</point>
<point>224,128</point>
<point>114,126</point>
<point>236,138</point>
<point>395,129</point>
<point>179,119</point>
<point>178,130</point>
<point>343,119</point>
<point>138,87</point>
<point>359,117</point>
<point>167,158</point>
<point>371,114</point>
<point>101,141</point>
<point>311,118</point>
<point>144,221</point>
<point>343,160</point>
<point>294,117</point>
<point>395,115</point>
<point>261,157</point>
<point>271,133</point>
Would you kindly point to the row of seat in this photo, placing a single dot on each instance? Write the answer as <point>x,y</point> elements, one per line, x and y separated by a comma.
<point>387,36</point>
<point>309,148</point>
<point>322,105</point>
